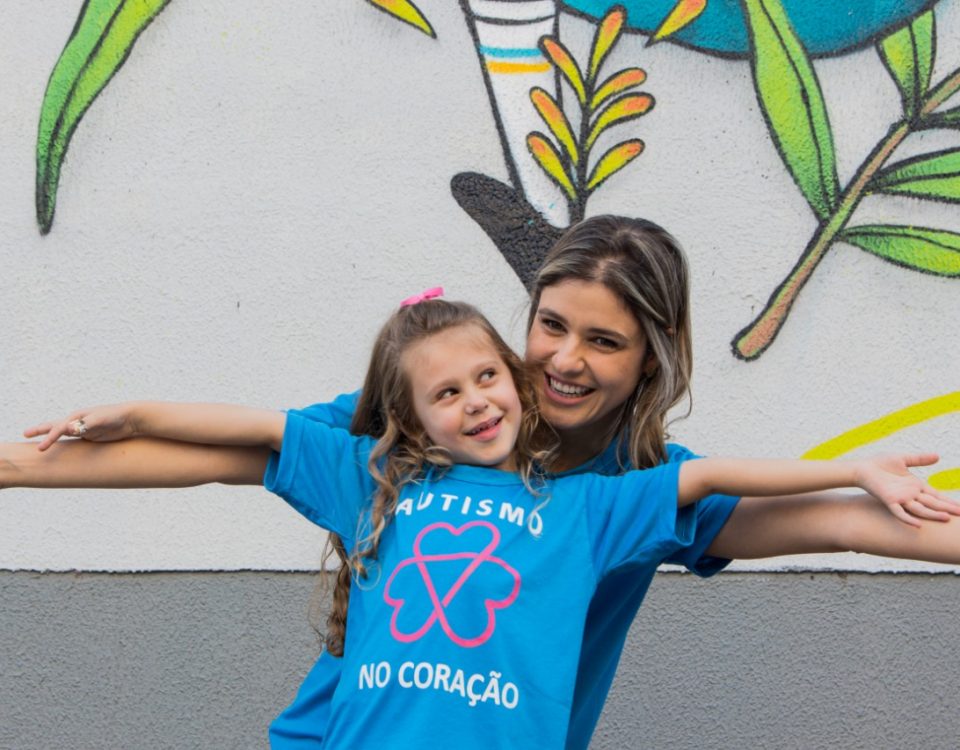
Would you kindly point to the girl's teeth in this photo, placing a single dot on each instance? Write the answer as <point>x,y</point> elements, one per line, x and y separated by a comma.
<point>568,390</point>
<point>485,426</point>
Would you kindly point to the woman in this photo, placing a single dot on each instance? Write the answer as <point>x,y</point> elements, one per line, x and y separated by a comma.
<point>609,339</point>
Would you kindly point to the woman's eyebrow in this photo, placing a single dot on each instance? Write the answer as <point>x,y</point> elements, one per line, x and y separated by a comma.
<point>551,313</point>
<point>593,331</point>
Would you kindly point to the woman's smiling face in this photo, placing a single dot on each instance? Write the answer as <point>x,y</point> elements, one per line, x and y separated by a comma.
<point>589,352</point>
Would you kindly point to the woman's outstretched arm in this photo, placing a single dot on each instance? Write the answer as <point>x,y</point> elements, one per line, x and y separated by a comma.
<point>137,462</point>
<point>831,522</point>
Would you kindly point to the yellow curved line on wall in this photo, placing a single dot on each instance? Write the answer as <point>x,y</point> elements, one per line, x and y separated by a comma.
<point>889,424</point>
<point>946,480</point>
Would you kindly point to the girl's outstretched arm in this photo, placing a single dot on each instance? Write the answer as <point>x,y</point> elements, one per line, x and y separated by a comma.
<point>887,478</point>
<point>211,424</point>
<point>139,462</point>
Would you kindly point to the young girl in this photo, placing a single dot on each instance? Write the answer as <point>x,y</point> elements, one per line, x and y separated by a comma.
<point>472,571</point>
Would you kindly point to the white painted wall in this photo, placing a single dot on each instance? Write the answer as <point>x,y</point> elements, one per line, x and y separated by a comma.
<point>258,187</point>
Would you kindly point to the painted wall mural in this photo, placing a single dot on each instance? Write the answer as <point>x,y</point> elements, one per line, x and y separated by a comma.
<point>793,106</point>
<point>530,73</point>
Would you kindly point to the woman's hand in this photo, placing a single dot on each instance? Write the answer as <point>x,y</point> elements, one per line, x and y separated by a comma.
<point>908,497</point>
<point>99,424</point>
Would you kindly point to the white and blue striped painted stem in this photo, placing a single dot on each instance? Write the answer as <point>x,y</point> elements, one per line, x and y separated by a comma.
<point>507,33</point>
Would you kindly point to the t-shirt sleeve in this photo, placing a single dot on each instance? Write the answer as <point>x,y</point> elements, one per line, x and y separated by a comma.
<point>336,413</point>
<point>635,517</point>
<point>322,472</point>
<point>712,513</point>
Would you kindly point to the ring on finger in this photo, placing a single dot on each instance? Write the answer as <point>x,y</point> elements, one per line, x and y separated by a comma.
<point>78,427</point>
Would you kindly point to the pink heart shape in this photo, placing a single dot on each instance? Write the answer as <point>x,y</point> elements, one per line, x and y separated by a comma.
<point>476,559</point>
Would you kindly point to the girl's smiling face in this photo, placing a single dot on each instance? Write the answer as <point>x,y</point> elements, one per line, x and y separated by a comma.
<point>464,396</point>
<point>589,353</point>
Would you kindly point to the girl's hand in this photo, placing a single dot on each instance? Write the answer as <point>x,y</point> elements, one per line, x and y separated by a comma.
<point>100,424</point>
<point>908,497</point>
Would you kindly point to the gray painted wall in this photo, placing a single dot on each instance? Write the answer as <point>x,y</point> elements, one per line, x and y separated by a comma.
<point>189,660</point>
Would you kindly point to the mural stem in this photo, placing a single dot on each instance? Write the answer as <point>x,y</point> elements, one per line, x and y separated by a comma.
<point>578,206</point>
<point>753,340</point>
<point>943,91</point>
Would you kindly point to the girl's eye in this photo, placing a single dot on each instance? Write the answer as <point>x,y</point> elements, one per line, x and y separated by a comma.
<point>446,393</point>
<point>551,325</point>
<point>487,375</point>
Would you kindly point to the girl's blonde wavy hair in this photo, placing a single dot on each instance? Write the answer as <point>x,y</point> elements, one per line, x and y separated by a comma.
<point>644,266</point>
<point>403,452</point>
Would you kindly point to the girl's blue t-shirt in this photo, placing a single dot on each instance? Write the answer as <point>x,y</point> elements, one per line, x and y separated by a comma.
<point>615,601</point>
<point>462,628</point>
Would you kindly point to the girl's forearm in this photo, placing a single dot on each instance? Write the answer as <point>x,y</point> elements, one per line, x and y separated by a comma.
<point>213,424</point>
<point>137,462</point>
<point>762,477</point>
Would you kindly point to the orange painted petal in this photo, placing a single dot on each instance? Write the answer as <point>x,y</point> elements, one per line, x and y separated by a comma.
<point>627,107</point>
<point>553,116</point>
<point>406,12</point>
<point>548,158</point>
<point>617,84</point>
<point>613,161</point>
<point>560,56</point>
<point>607,34</point>
<point>683,13</point>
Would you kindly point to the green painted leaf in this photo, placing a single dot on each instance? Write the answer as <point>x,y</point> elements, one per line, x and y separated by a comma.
<point>926,250</point>
<point>789,95</point>
<point>935,176</point>
<point>908,54</point>
<point>947,119</point>
<point>99,45</point>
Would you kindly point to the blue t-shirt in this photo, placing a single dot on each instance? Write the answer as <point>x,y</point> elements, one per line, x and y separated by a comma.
<point>462,629</point>
<point>302,725</point>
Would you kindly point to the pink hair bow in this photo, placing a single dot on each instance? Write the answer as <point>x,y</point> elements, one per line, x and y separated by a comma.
<point>433,293</point>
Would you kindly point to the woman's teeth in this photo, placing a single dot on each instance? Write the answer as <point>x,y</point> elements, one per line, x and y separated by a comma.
<point>568,389</point>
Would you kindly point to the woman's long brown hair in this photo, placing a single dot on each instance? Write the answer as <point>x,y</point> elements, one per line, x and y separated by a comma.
<point>644,266</point>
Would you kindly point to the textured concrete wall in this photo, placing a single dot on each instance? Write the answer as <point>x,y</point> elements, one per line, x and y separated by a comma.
<point>740,661</point>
